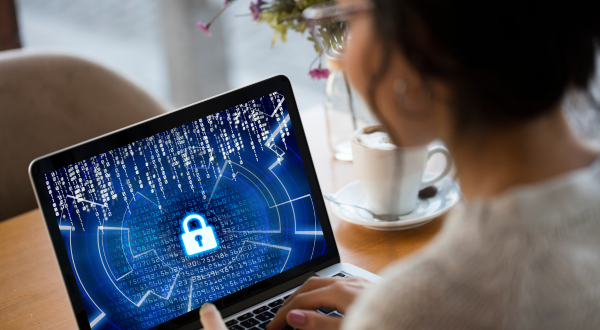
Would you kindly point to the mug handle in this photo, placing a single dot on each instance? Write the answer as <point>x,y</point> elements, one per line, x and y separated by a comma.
<point>446,153</point>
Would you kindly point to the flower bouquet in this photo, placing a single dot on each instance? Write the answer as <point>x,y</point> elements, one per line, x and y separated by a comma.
<point>283,15</point>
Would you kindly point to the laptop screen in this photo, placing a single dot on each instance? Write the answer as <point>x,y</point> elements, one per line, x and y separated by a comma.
<point>158,227</point>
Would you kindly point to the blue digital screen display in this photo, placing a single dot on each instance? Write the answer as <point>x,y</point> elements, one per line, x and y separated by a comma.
<point>158,227</point>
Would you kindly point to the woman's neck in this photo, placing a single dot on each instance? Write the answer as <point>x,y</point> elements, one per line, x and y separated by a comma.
<point>527,153</point>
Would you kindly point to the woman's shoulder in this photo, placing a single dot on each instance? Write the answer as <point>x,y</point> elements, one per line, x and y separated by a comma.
<point>496,282</point>
<point>425,291</point>
<point>502,264</point>
<point>549,202</point>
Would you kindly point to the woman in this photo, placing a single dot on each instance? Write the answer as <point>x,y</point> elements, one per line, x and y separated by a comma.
<point>487,78</point>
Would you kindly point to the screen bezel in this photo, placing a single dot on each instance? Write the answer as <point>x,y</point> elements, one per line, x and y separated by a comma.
<point>45,164</point>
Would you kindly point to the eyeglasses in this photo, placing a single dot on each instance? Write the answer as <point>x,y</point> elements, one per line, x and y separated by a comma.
<point>328,25</point>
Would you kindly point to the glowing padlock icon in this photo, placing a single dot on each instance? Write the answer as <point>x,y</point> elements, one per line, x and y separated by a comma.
<point>201,238</point>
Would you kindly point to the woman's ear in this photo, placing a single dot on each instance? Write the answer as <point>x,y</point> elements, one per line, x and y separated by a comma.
<point>413,96</point>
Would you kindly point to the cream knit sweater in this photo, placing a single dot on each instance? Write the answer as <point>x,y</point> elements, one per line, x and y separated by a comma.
<point>528,259</point>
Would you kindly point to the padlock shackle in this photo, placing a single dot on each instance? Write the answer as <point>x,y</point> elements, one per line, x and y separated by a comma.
<point>190,217</point>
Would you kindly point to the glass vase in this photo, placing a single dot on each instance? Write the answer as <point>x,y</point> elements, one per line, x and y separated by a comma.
<point>344,111</point>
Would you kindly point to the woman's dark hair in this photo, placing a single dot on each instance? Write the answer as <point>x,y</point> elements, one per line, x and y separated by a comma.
<point>505,60</point>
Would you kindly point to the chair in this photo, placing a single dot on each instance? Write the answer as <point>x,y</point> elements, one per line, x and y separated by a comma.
<point>49,101</point>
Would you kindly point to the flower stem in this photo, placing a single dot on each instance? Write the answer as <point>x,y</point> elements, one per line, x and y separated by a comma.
<point>350,101</point>
<point>218,14</point>
<point>313,62</point>
<point>289,18</point>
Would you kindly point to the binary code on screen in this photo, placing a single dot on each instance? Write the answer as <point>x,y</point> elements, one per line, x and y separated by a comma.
<point>121,215</point>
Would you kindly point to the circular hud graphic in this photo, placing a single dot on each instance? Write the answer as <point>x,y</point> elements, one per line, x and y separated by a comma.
<point>238,179</point>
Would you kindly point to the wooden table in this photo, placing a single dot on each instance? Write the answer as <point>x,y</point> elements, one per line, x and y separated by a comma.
<point>32,293</point>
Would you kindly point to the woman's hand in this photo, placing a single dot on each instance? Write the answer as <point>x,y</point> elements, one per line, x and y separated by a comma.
<point>211,319</point>
<point>300,309</point>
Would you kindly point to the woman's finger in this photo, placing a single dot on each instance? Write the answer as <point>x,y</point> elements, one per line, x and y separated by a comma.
<point>211,319</point>
<point>309,320</point>
<point>312,283</point>
<point>337,296</point>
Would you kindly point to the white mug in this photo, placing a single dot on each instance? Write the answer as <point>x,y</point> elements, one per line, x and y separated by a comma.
<point>392,178</point>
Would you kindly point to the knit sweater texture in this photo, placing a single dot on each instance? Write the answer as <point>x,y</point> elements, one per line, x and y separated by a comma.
<point>526,259</point>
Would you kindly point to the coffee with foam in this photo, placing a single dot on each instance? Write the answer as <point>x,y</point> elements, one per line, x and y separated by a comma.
<point>392,176</point>
<point>374,138</point>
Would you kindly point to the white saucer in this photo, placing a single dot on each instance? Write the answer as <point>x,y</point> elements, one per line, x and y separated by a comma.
<point>427,209</point>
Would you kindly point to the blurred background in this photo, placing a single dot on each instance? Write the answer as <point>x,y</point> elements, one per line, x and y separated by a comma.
<point>156,44</point>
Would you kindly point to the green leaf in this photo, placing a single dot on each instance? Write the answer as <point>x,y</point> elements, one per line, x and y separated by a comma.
<point>281,15</point>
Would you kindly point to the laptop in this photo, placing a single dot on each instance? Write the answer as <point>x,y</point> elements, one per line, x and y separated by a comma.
<point>215,202</point>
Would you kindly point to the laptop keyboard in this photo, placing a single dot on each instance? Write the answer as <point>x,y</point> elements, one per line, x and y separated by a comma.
<point>262,315</point>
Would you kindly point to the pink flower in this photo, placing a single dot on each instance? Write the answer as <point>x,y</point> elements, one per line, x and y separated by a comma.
<point>319,73</point>
<point>204,28</point>
<point>255,9</point>
<point>227,2</point>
